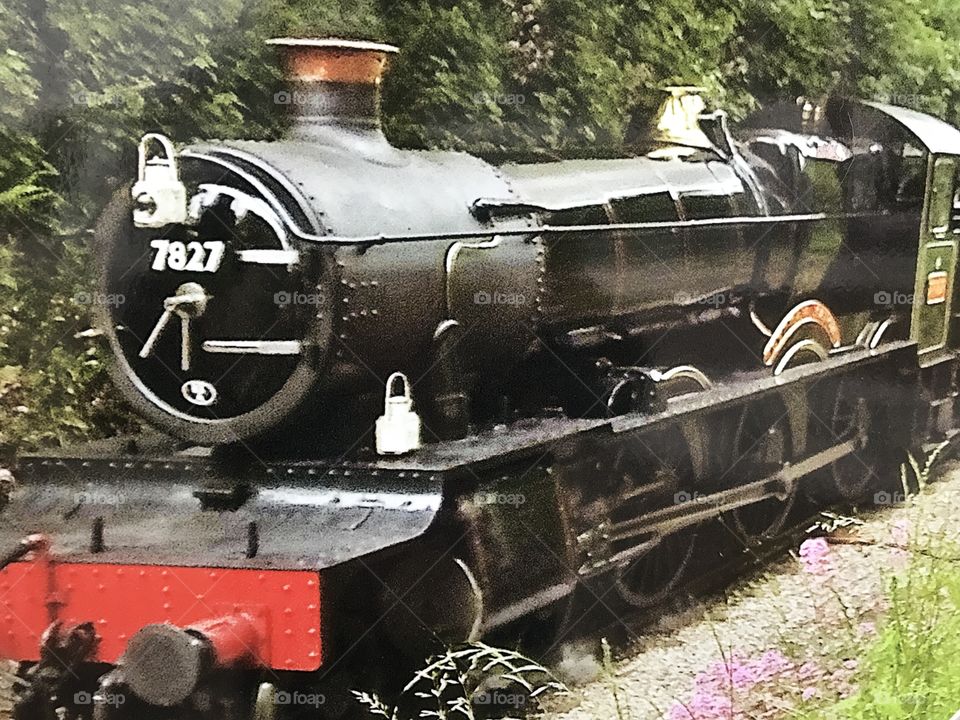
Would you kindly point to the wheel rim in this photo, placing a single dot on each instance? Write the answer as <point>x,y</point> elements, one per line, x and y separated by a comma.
<point>655,575</point>
<point>761,447</point>
<point>853,475</point>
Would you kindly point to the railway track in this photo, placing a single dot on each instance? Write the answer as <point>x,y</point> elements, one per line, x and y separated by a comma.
<point>709,580</point>
<point>711,575</point>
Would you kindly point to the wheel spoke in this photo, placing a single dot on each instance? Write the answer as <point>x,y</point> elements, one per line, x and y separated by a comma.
<point>651,578</point>
<point>761,447</point>
<point>853,476</point>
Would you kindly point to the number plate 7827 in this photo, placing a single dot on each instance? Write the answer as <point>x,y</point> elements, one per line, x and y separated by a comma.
<point>188,257</point>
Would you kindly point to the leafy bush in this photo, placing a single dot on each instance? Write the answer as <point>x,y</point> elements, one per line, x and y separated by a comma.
<point>54,388</point>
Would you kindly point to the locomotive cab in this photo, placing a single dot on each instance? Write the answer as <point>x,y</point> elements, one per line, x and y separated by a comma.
<point>923,174</point>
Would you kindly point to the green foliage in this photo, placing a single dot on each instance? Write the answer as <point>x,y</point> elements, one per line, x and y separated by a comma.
<point>906,51</point>
<point>54,387</point>
<point>447,80</point>
<point>579,90</point>
<point>683,42</point>
<point>791,47</point>
<point>920,474</point>
<point>81,81</point>
<point>910,670</point>
<point>27,202</point>
<point>610,679</point>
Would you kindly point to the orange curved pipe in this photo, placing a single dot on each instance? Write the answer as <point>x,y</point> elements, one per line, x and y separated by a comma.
<point>809,312</point>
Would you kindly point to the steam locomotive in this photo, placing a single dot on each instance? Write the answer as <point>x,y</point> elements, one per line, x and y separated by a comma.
<point>407,395</point>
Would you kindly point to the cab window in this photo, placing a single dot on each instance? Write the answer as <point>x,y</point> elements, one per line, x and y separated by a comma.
<point>942,195</point>
<point>912,177</point>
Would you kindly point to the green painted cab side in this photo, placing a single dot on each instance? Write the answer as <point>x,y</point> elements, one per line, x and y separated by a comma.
<point>937,261</point>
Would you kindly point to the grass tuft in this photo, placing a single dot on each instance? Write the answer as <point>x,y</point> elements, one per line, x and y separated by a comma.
<point>468,683</point>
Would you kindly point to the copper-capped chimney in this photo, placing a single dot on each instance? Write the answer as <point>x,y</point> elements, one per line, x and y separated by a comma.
<point>333,85</point>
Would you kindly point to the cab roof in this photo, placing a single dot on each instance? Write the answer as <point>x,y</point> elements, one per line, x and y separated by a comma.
<point>935,135</point>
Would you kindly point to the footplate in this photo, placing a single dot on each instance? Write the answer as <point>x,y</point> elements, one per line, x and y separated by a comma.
<point>129,512</point>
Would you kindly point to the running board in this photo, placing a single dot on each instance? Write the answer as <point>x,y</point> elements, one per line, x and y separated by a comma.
<point>656,525</point>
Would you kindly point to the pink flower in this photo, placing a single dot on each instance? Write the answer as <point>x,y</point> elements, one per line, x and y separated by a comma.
<point>900,537</point>
<point>724,679</point>
<point>900,532</point>
<point>815,556</point>
<point>808,693</point>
